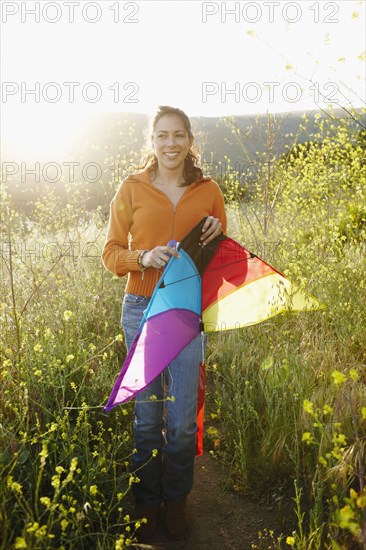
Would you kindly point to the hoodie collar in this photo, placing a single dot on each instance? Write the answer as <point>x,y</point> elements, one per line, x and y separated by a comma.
<point>144,177</point>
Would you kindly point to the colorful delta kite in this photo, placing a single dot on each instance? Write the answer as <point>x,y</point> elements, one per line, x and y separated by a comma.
<point>221,286</point>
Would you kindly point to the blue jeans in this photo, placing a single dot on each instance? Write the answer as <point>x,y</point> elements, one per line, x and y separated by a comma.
<point>169,475</point>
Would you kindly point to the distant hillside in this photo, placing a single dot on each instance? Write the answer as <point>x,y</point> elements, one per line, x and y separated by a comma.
<point>212,134</point>
<point>115,137</point>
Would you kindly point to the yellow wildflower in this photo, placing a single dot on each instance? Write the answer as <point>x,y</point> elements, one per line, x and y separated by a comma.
<point>55,481</point>
<point>93,489</point>
<point>67,315</point>
<point>48,334</point>
<point>73,465</point>
<point>327,409</point>
<point>346,515</point>
<point>64,524</point>
<point>44,453</point>
<point>32,527</point>
<point>339,439</point>
<point>338,377</point>
<point>308,407</point>
<point>46,501</point>
<point>307,438</point>
<point>13,485</point>
<point>20,543</point>
<point>353,374</point>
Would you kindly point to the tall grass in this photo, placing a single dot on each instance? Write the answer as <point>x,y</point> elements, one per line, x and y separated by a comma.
<point>64,463</point>
<point>290,392</point>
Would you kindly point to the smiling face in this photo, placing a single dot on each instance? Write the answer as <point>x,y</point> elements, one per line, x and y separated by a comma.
<point>171,142</point>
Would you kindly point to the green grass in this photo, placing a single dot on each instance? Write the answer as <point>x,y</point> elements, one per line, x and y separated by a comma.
<point>290,393</point>
<point>288,409</point>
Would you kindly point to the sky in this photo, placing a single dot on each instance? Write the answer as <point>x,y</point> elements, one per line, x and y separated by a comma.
<point>63,61</point>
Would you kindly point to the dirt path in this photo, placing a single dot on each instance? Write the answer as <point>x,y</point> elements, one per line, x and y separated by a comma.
<point>222,520</point>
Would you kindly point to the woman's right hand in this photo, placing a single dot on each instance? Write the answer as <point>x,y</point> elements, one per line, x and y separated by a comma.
<point>158,257</point>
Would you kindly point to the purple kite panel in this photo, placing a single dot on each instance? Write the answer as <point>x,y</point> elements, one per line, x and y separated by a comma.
<point>162,338</point>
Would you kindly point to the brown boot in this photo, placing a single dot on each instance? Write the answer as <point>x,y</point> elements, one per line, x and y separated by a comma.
<point>176,519</point>
<point>151,514</point>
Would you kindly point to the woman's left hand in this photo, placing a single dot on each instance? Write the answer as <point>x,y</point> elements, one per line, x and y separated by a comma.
<point>211,229</point>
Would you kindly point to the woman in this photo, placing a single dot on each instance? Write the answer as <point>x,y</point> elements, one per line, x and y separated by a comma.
<point>161,202</point>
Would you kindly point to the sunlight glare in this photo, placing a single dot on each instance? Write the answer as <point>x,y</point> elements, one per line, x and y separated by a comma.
<point>40,131</point>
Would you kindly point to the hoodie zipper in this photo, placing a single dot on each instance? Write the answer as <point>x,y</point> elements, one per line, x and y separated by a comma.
<point>173,207</point>
<point>173,226</point>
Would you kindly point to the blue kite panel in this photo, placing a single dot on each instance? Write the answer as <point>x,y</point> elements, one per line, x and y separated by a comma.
<point>178,288</point>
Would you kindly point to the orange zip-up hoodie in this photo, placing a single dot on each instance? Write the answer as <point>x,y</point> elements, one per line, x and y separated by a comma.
<point>143,217</point>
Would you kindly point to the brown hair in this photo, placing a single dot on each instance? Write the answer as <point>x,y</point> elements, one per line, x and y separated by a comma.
<point>191,172</point>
